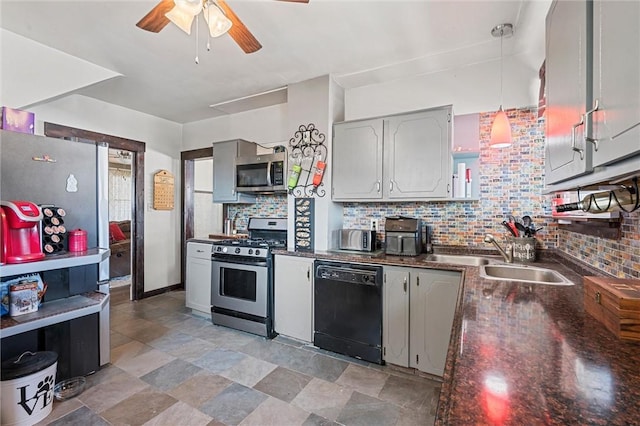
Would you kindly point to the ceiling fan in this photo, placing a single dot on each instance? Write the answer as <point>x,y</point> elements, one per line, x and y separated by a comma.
<point>218,15</point>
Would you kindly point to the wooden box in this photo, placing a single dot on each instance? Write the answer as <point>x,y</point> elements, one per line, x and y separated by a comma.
<point>615,302</point>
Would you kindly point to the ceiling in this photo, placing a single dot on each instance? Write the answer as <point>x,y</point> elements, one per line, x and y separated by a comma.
<point>360,42</point>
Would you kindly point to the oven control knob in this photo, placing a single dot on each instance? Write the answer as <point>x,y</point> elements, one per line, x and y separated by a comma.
<point>250,251</point>
<point>237,250</point>
<point>257,252</point>
<point>224,249</point>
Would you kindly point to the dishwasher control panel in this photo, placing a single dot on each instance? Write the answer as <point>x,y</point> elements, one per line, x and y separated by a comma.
<point>348,274</point>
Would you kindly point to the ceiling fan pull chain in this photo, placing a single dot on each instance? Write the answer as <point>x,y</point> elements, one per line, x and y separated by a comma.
<point>197,37</point>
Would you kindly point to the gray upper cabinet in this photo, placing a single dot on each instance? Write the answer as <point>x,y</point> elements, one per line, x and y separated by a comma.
<point>567,72</point>
<point>417,155</point>
<point>224,170</point>
<point>616,80</point>
<point>401,157</point>
<point>357,160</point>
<point>593,91</point>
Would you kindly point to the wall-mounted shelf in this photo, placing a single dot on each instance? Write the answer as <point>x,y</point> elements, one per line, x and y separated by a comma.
<point>471,159</point>
<point>57,261</point>
<point>608,228</point>
<point>54,312</point>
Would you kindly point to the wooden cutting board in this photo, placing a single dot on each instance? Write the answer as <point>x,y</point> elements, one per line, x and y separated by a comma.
<point>615,302</point>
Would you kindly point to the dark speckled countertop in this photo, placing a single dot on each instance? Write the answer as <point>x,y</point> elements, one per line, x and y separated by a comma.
<point>524,354</point>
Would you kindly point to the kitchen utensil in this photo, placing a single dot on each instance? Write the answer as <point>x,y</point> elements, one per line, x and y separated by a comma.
<point>526,221</point>
<point>509,228</point>
<point>521,229</point>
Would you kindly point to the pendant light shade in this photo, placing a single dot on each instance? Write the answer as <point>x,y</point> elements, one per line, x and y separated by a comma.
<point>500,131</point>
<point>501,128</point>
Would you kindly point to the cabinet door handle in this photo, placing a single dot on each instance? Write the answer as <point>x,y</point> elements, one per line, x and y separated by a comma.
<point>405,284</point>
<point>378,186</point>
<point>200,251</point>
<point>573,138</point>
<point>587,117</point>
<point>418,281</point>
<point>390,186</point>
<point>308,273</point>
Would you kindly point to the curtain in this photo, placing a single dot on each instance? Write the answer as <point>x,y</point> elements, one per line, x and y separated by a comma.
<point>120,192</point>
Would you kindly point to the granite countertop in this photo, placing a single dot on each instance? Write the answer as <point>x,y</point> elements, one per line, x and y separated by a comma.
<point>214,238</point>
<point>528,354</point>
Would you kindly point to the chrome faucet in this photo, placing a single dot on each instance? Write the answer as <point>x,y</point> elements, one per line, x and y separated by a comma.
<point>508,257</point>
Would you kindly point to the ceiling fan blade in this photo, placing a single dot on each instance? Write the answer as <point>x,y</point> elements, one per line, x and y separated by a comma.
<point>155,20</point>
<point>239,32</point>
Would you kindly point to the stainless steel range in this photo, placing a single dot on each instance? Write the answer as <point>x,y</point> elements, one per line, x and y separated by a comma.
<point>242,277</point>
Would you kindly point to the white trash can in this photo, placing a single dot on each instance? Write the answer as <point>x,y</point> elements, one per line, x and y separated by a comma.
<point>27,388</point>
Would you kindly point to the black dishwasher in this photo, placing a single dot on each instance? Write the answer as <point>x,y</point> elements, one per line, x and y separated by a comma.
<point>348,309</point>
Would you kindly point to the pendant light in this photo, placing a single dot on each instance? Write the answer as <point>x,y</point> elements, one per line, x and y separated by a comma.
<point>501,128</point>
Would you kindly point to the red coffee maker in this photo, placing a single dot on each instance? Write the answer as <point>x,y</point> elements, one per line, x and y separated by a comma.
<point>20,225</point>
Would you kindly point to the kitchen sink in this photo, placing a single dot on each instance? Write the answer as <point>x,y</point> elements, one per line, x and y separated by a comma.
<point>523,273</point>
<point>459,259</point>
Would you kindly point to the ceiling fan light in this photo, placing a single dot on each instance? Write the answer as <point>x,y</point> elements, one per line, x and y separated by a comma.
<point>183,13</point>
<point>500,131</point>
<point>192,7</point>
<point>217,21</point>
<point>181,19</point>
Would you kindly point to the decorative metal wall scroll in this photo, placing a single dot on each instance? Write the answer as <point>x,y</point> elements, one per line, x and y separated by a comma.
<point>304,224</point>
<point>308,159</point>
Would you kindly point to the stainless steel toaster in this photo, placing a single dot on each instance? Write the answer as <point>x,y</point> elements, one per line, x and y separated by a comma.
<point>403,236</point>
<point>357,239</point>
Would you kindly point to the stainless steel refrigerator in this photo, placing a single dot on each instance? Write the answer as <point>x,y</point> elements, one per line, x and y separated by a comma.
<point>72,175</point>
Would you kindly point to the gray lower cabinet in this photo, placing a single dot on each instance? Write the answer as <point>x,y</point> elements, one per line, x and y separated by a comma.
<point>198,277</point>
<point>395,316</point>
<point>224,170</point>
<point>293,297</point>
<point>418,310</point>
<point>593,90</point>
<point>400,157</point>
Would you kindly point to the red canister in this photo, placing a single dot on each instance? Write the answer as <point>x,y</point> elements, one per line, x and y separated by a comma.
<point>77,240</point>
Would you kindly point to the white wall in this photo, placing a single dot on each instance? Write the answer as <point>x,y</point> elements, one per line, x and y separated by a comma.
<point>162,139</point>
<point>207,216</point>
<point>470,89</point>
<point>27,75</point>
<point>266,126</point>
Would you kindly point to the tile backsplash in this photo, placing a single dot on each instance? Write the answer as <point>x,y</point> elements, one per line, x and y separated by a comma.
<point>620,258</point>
<point>265,206</point>
<point>511,181</point>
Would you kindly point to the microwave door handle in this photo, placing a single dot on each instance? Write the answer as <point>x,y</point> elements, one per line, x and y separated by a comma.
<point>269,173</point>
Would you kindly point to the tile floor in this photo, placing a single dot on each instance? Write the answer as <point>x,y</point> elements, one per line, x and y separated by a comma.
<point>170,367</point>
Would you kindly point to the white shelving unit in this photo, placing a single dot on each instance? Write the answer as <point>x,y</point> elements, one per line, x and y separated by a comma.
<point>60,310</point>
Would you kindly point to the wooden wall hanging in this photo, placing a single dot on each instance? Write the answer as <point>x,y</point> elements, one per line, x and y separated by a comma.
<point>163,195</point>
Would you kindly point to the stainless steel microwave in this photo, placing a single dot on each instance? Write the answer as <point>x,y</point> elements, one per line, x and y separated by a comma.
<point>262,173</point>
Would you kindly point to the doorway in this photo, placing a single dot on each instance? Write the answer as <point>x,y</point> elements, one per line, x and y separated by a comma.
<point>120,213</point>
<point>137,150</point>
<point>190,195</point>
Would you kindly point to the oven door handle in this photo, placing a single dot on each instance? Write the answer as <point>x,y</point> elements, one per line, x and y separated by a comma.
<point>239,262</point>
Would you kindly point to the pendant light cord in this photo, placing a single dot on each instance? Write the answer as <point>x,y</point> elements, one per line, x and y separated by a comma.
<point>501,65</point>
